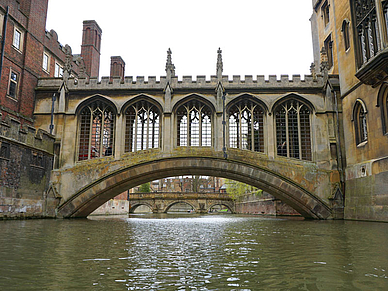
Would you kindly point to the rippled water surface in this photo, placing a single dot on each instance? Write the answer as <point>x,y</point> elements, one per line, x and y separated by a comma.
<point>165,252</point>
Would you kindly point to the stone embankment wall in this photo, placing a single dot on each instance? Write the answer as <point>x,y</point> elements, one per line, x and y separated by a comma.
<point>264,204</point>
<point>26,159</point>
<point>113,207</point>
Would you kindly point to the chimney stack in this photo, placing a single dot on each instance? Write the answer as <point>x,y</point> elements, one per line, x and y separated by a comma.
<point>90,48</point>
<point>117,68</point>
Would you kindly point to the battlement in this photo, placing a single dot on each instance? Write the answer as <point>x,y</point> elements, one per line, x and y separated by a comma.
<point>187,82</point>
<point>12,130</point>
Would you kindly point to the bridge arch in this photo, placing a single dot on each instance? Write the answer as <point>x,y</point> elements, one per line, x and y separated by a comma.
<point>98,190</point>
<point>227,205</point>
<point>136,205</point>
<point>176,202</point>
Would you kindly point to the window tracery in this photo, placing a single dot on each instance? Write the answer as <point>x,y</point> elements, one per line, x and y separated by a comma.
<point>246,126</point>
<point>96,131</point>
<point>367,30</point>
<point>293,133</point>
<point>194,124</point>
<point>142,130</point>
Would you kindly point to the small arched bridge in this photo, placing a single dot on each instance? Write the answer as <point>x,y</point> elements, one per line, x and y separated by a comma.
<point>161,202</point>
<point>87,185</point>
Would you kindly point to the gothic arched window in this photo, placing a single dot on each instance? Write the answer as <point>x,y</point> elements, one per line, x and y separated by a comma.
<point>142,126</point>
<point>345,33</point>
<point>293,134</point>
<point>382,102</point>
<point>96,131</point>
<point>359,118</point>
<point>246,126</point>
<point>194,124</point>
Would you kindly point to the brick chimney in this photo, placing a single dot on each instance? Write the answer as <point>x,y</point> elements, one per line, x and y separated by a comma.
<point>117,67</point>
<point>90,48</point>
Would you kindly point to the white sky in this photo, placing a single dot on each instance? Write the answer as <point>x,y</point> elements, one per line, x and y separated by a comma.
<point>257,37</point>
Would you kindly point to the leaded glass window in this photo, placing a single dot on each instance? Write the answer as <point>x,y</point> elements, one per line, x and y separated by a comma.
<point>246,126</point>
<point>96,131</point>
<point>194,124</point>
<point>142,129</point>
<point>367,29</point>
<point>293,133</point>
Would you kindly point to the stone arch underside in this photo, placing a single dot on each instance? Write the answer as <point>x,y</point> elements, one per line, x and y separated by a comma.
<point>168,207</point>
<point>97,192</point>
<point>138,204</point>
<point>222,203</point>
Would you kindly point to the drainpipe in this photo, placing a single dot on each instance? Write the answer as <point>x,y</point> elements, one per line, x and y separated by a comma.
<point>52,114</point>
<point>223,126</point>
<point>339,148</point>
<point>3,40</point>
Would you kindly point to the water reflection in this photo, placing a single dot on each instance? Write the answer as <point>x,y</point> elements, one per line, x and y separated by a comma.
<point>192,252</point>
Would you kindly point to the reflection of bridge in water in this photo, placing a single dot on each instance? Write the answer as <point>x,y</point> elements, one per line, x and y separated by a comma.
<point>161,202</point>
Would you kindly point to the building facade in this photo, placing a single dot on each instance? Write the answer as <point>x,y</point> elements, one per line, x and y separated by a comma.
<point>353,35</point>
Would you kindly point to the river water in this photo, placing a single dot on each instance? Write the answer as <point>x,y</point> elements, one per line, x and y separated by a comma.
<point>193,252</point>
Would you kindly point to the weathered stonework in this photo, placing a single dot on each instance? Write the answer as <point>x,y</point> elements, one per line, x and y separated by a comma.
<point>362,81</point>
<point>25,164</point>
<point>305,185</point>
<point>263,204</point>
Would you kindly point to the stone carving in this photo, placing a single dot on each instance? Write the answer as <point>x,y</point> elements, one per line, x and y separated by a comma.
<point>170,68</point>
<point>219,64</point>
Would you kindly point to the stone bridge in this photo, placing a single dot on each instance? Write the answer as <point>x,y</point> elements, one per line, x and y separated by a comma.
<point>162,202</point>
<point>278,135</point>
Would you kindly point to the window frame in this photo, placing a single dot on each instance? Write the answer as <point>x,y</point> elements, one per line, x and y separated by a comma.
<point>46,55</point>
<point>1,24</point>
<point>96,129</point>
<point>194,123</point>
<point>326,13</point>
<point>17,45</point>
<point>361,130</point>
<point>382,102</point>
<point>152,126</point>
<point>328,44</point>
<point>15,82</point>
<point>284,126</point>
<point>254,131</point>
<point>58,70</point>
<point>346,34</point>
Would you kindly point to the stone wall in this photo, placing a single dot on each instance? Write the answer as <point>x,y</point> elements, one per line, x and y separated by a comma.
<point>113,207</point>
<point>26,159</point>
<point>264,204</point>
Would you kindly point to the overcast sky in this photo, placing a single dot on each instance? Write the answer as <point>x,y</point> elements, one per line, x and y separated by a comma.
<point>257,37</point>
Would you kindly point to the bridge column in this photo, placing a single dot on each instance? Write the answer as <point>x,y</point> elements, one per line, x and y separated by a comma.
<point>218,131</point>
<point>119,136</point>
<point>168,133</point>
<point>270,138</point>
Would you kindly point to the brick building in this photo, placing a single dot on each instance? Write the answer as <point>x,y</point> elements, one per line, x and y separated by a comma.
<point>29,52</point>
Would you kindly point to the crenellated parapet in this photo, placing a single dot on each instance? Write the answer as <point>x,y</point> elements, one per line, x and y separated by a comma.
<point>12,130</point>
<point>187,82</point>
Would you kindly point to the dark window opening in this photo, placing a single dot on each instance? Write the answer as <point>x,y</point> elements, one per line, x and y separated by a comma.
<point>293,133</point>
